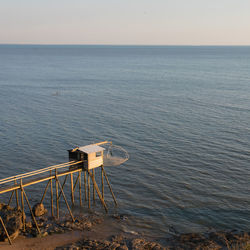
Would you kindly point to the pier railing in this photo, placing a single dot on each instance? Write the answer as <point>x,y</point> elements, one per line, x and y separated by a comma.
<point>15,186</point>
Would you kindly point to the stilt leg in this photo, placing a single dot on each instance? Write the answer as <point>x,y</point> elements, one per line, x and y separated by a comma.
<point>45,190</point>
<point>33,217</point>
<point>88,190</point>
<point>17,202</point>
<point>98,192</point>
<point>51,195</point>
<point>85,185</point>
<point>80,188</point>
<point>11,197</point>
<point>65,200</point>
<point>63,186</point>
<point>5,230</point>
<point>102,184</point>
<point>23,213</point>
<point>93,173</point>
<point>72,189</point>
<point>109,186</point>
<point>57,198</point>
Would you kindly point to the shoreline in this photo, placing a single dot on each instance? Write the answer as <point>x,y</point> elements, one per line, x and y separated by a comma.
<point>91,232</point>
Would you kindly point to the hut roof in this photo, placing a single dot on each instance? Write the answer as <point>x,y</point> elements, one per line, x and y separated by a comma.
<point>91,149</point>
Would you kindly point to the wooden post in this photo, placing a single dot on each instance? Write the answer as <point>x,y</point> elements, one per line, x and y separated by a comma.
<point>80,188</point>
<point>85,185</point>
<point>51,195</point>
<point>88,189</point>
<point>72,189</point>
<point>98,192</point>
<point>23,213</point>
<point>65,200</point>
<point>11,197</point>
<point>16,191</point>
<point>57,198</point>
<point>5,230</point>
<point>33,217</point>
<point>63,186</point>
<point>45,190</point>
<point>76,183</point>
<point>93,173</point>
<point>102,184</point>
<point>109,186</point>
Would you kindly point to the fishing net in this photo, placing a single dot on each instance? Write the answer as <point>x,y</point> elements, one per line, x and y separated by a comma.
<point>114,156</point>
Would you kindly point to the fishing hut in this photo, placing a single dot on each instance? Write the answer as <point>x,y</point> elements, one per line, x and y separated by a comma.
<point>84,159</point>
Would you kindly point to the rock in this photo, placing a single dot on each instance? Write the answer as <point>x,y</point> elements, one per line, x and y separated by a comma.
<point>39,210</point>
<point>12,219</point>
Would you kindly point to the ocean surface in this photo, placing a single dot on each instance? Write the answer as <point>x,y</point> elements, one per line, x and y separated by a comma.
<point>181,112</point>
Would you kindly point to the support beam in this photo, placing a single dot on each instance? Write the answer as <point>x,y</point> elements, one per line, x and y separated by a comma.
<point>63,186</point>
<point>98,192</point>
<point>109,186</point>
<point>93,173</point>
<point>57,198</point>
<point>33,217</point>
<point>65,200</point>
<point>11,197</point>
<point>5,230</point>
<point>88,189</point>
<point>51,195</point>
<point>45,190</point>
<point>16,191</point>
<point>80,188</point>
<point>72,189</point>
<point>23,213</point>
<point>85,185</point>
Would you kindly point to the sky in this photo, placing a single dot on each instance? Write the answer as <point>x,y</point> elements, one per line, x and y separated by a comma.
<point>125,22</point>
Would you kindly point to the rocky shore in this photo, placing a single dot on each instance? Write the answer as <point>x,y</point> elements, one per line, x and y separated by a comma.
<point>90,238</point>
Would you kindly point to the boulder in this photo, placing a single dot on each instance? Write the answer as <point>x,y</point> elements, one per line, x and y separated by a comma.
<point>12,219</point>
<point>39,210</point>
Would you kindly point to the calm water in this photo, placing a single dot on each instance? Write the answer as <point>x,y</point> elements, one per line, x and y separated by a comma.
<point>182,113</point>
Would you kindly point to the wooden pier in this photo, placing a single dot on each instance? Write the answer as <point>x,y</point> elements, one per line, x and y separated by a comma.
<point>53,175</point>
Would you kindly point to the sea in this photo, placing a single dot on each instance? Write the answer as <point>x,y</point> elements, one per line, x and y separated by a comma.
<point>181,112</point>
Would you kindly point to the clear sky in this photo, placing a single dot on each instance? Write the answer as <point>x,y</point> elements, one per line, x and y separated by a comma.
<point>160,22</point>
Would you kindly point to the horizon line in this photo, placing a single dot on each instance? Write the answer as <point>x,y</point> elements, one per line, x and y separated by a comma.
<point>99,44</point>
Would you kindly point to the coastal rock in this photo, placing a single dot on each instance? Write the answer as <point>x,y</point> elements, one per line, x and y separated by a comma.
<point>39,210</point>
<point>12,219</point>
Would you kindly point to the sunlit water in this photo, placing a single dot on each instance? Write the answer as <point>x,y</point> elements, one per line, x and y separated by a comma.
<point>182,113</point>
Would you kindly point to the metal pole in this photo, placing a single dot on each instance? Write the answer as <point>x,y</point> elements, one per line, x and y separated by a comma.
<point>85,185</point>
<point>16,191</point>
<point>88,189</point>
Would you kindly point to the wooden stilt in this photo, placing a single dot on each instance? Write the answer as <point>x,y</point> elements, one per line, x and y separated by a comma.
<point>85,185</point>
<point>109,186</point>
<point>23,213</point>
<point>102,184</point>
<point>63,186</point>
<point>93,173</point>
<point>88,190</point>
<point>45,190</point>
<point>75,183</point>
<point>80,188</point>
<point>33,217</point>
<point>72,190</point>
<point>11,197</point>
<point>65,200</point>
<point>5,230</point>
<point>98,192</point>
<point>57,198</point>
<point>17,202</point>
<point>51,195</point>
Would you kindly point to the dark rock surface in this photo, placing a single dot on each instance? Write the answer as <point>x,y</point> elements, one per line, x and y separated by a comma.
<point>39,210</point>
<point>12,219</point>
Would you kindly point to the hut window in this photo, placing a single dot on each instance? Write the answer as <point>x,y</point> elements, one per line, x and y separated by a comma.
<point>98,154</point>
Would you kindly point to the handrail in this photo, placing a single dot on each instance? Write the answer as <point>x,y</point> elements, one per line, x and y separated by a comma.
<point>39,171</point>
